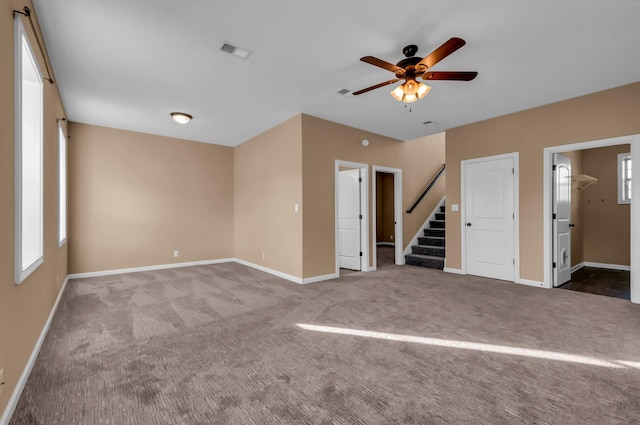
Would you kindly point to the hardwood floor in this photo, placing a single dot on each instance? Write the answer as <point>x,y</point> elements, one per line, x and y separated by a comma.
<point>611,283</point>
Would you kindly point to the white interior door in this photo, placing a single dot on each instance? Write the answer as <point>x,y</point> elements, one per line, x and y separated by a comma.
<point>561,219</point>
<point>349,252</point>
<point>490,218</point>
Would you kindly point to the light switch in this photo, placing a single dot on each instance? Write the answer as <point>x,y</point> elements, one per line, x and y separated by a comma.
<point>454,207</point>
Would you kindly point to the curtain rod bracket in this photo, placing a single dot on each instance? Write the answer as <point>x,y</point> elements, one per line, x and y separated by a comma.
<point>27,12</point>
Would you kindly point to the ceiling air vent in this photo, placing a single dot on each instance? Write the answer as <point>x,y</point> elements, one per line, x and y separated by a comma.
<point>345,92</point>
<point>428,123</point>
<point>235,50</point>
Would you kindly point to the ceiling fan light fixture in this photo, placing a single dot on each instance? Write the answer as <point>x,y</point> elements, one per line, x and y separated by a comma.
<point>398,93</point>
<point>181,117</point>
<point>423,89</point>
<point>410,91</point>
<point>410,98</point>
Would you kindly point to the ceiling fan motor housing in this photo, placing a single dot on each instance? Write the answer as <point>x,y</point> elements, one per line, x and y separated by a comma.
<point>410,50</point>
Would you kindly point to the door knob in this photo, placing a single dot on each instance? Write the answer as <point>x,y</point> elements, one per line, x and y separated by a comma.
<point>572,225</point>
<point>468,224</point>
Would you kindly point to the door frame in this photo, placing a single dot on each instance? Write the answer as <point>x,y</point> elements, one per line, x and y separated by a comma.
<point>364,202</point>
<point>634,141</point>
<point>397,212</point>
<point>516,210</point>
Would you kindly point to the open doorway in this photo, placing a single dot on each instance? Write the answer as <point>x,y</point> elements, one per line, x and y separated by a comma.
<point>592,222</point>
<point>387,234</point>
<point>590,197</point>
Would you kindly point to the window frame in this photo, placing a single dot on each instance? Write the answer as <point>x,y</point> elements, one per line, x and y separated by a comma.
<point>21,40</point>
<point>622,179</point>
<point>62,184</point>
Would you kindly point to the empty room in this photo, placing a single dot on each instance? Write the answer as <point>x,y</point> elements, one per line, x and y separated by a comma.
<point>289,212</point>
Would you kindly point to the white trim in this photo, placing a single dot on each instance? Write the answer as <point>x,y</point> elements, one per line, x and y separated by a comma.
<point>21,272</point>
<point>62,213</point>
<point>204,263</point>
<point>621,192</point>
<point>319,278</point>
<point>634,141</point>
<point>577,267</point>
<point>607,266</point>
<point>22,381</point>
<point>454,271</point>
<point>150,268</point>
<point>516,208</point>
<point>420,232</point>
<point>397,213</point>
<point>635,223</point>
<point>528,282</point>
<point>291,278</point>
<point>273,272</point>
<point>364,209</point>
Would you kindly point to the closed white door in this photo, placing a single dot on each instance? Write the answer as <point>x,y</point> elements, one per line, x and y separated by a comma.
<point>349,220</point>
<point>490,218</point>
<point>561,219</point>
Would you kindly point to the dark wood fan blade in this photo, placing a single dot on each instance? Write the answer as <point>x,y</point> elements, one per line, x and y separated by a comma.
<point>441,52</point>
<point>450,75</point>
<point>384,65</point>
<point>377,86</point>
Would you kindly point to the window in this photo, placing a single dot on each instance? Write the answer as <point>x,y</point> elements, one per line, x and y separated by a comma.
<point>29,252</point>
<point>62,184</point>
<point>624,178</point>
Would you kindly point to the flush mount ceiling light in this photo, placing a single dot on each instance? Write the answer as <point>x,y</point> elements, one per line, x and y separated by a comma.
<point>181,117</point>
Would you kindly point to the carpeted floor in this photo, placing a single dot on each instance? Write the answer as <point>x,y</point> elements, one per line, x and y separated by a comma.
<point>226,344</point>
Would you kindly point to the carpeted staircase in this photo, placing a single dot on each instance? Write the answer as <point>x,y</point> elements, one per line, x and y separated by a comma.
<point>430,249</point>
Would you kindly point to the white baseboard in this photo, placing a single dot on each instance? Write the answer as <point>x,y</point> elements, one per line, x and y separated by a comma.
<point>577,267</point>
<point>291,278</point>
<point>320,278</point>
<point>149,268</point>
<point>17,392</point>
<point>607,266</point>
<point>528,282</point>
<point>268,270</point>
<point>452,270</point>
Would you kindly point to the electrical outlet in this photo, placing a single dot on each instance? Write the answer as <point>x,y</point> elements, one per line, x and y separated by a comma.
<point>1,381</point>
<point>175,253</point>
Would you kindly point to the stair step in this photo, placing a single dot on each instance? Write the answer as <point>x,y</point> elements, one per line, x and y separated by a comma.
<point>434,251</point>
<point>431,241</point>
<point>443,208</point>
<point>437,224</point>
<point>440,216</point>
<point>425,261</point>
<point>434,232</point>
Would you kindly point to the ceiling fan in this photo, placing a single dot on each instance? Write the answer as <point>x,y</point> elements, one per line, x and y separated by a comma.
<point>412,67</point>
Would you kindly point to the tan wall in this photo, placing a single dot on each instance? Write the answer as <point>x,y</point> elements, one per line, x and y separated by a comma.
<point>324,142</point>
<point>606,223</point>
<point>600,115</point>
<point>267,185</point>
<point>24,308</point>
<point>134,198</point>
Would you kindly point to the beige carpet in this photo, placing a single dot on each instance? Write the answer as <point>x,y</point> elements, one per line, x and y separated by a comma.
<point>221,344</point>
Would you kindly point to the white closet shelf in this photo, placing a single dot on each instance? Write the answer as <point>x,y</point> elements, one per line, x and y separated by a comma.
<point>583,181</point>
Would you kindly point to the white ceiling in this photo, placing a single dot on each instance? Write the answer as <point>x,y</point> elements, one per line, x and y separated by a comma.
<point>129,63</point>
